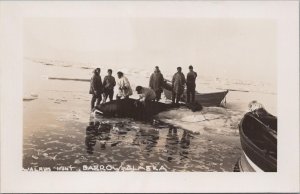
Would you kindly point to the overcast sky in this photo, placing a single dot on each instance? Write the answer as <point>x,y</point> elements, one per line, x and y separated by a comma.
<point>242,48</point>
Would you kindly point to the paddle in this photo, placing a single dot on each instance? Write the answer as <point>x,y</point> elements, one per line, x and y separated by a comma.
<point>69,79</point>
<point>233,90</point>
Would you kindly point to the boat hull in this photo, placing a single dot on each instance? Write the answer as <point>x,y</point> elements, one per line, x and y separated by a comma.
<point>205,99</point>
<point>259,143</point>
<point>244,164</point>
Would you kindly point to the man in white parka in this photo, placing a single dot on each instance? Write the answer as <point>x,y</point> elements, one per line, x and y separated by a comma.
<point>124,86</point>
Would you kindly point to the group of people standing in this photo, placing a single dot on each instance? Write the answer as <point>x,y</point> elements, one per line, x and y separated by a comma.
<point>179,82</point>
<point>102,90</point>
<point>106,88</point>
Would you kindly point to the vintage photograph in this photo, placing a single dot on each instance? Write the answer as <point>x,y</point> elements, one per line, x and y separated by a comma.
<point>149,94</point>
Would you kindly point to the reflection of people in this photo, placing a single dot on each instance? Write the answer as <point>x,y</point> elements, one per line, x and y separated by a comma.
<point>156,82</point>
<point>178,83</point>
<point>147,137</point>
<point>109,83</point>
<point>96,88</point>
<point>96,131</point>
<point>185,140</point>
<point>124,86</point>
<point>191,84</point>
<point>172,143</point>
<point>90,138</point>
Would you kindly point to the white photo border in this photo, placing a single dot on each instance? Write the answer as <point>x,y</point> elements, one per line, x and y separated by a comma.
<point>13,179</point>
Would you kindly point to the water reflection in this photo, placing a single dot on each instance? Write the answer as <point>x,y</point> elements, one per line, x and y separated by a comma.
<point>174,146</point>
<point>123,142</point>
<point>147,137</point>
<point>97,131</point>
<point>185,140</point>
<point>172,143</point>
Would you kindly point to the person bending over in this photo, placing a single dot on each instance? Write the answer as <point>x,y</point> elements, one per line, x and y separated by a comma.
<point>146,94</point>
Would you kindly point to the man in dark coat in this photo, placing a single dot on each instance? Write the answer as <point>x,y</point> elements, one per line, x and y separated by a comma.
<point>178,83</point>
<point>109,83</point>
<point>191,84</point>
<point>156,83</point>
<point>96,88</point>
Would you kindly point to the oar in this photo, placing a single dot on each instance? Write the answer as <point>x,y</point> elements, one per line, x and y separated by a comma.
<point>233,90</point>
<point>69,79</point>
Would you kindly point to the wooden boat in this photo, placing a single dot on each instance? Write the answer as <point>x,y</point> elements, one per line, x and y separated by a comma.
<point>205,99</point>
<point>258,135</point>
